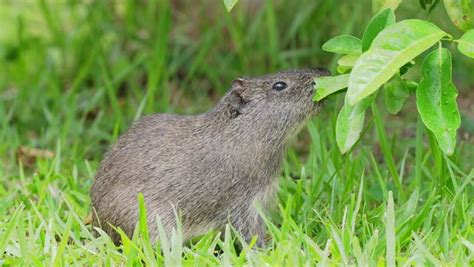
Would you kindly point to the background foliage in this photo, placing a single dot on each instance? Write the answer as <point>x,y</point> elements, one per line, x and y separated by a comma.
<point>75,74</point>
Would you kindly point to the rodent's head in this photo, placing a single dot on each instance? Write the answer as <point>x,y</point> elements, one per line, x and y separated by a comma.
<point>281,101</point>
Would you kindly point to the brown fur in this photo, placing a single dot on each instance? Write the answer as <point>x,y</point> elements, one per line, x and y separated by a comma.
<point>212,167</point>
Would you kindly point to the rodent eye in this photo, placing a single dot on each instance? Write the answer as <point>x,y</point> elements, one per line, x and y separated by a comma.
<point>278,86</point>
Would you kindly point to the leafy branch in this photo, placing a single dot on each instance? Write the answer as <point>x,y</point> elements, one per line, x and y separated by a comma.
<point>381,58</point>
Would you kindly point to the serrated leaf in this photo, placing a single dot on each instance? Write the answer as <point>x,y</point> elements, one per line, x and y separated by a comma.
<point>378,5</point>
<point>460,13</point>
<point>379,22</point>
<point>395,46</point>
<point>229,4</point>
<point>350,123</point>
<point>466,43</point>
<point>328,85</point>
<point>436,99</point>
<point>348,60</point>
<point>395,94</point>
<point>343,44</point>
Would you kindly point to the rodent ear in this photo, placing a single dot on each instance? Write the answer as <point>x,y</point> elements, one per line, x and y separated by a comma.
<point>237,97</point>
<point>238,84</point>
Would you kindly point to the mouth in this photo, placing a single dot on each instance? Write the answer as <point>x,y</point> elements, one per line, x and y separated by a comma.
<point>316,106</point>
<point>311,93</point>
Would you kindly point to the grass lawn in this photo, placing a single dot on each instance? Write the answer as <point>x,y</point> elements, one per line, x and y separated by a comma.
<point>76,74</point>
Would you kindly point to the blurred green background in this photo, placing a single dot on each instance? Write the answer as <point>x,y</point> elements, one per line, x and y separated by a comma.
<point>79,69</point>
<point>75,74</point>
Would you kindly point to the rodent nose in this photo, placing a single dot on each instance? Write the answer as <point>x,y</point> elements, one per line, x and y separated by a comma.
<point>313,83</point>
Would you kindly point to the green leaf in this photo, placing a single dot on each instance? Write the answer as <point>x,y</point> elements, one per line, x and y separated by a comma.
<point>378,5</point>
<point>404,69</point>
<point>436,99</point>
<point>377,24</point>
<point>229,4</point>
<point>466,44</point>
<point>142,217</point>
<point>395,46</point>
<point>343,44</point>
<point>350,122</point>
<point>395,94</point>
<point>460,13</point>
<point>343,69</point>
<point>423,4</point>
<point>429,5</point>
<point>348,60</point>
<point>328,85</point>
<point>411,85</point>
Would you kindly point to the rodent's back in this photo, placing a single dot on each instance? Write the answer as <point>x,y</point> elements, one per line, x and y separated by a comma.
<point>171,159</point>
<point>147,149</point>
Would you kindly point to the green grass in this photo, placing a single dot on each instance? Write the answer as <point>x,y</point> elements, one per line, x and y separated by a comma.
<point>73,76</point>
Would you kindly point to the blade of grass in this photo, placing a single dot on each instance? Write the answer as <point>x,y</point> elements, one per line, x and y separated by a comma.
<point>111,92</point>
<point>156,69</point>
<point>390,231</point>
<point>59,258</point>
<point>419,151</point>
<point>387,152</point>
<point>12,224</point>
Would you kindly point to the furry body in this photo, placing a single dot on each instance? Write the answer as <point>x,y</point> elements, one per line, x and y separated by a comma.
<point>212,168</point>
